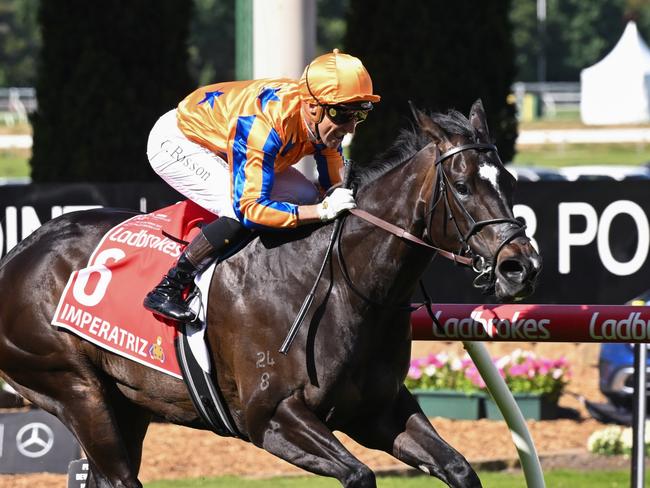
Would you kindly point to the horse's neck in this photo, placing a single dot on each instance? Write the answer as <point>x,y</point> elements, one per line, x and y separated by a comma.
<point>395,267</point>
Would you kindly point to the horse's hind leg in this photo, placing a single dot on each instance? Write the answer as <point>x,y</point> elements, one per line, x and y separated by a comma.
<point>404,431</point>
<point>295,434</point>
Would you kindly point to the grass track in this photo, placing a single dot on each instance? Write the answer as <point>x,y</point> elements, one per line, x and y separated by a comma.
<point>554,479</point>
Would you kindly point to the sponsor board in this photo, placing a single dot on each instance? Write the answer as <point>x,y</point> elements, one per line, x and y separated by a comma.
<point>594,236</point>
<point>35,442</point>
<point>78,473</point>
<point>534,323</point>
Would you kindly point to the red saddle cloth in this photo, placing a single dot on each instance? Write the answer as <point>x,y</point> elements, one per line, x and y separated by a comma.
<point>103,302</point>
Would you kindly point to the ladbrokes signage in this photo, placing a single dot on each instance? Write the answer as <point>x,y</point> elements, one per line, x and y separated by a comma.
<point>533,322</point>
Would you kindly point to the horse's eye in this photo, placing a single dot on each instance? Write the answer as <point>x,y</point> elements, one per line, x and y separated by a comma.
<point>461,188</point>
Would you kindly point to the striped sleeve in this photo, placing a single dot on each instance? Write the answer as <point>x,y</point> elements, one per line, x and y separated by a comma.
<point>328,164</point>
<point>255,147</point>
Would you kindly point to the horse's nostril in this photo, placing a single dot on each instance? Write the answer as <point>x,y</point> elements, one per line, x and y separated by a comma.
<point>513,270</point>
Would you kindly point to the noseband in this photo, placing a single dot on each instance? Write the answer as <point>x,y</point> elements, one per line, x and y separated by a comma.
<point>485,281</point>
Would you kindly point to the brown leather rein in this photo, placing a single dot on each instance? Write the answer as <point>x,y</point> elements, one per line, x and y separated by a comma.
<point>403,234</point>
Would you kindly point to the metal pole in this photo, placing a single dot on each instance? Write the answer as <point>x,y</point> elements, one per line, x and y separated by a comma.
<point>639,414</point>
<point>541,34</point>
<point>511,413</point>
<point>244,39</point>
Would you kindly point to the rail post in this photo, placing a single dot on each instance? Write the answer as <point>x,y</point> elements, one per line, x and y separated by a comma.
<point>510,410</point>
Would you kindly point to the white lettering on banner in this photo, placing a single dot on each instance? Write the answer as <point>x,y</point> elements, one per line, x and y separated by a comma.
<point>601,231</point>
<point>478,327</point>
<point>11,221</point>
<point>144,239</point>
<point>29,222</point>
<point>105,275</point>
<point>528,214</point>
<point>566,238</point>
<point>641,221</point>
<point>633,327</point>
<point>102,329</point>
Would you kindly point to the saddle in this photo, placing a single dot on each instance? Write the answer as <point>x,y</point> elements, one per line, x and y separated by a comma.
<point>102,303</point>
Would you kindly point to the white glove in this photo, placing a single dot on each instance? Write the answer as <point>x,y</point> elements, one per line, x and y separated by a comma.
<point>338,201</point>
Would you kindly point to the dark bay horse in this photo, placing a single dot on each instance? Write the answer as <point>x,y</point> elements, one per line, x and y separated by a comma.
<point>444,183</point>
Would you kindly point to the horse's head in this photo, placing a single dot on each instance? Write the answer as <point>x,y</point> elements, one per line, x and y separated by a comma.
<point>469,203</point>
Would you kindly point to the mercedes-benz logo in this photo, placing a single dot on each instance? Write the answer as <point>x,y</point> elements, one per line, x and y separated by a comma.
<point>34,440</point>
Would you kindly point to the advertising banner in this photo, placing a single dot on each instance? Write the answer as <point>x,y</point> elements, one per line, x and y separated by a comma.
<point>594,236</point>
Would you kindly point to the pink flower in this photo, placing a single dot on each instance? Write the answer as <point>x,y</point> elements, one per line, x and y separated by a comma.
<point>415,373</point>
<point>417,363</point>
<point>518,370</point>
<point>434,360</point>
<point>475,377</point>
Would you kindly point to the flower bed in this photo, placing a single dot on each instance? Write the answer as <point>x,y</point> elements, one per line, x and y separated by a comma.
<point>527,375</point>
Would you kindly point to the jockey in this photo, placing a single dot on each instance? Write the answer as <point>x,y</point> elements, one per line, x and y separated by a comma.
<point>230,148</point>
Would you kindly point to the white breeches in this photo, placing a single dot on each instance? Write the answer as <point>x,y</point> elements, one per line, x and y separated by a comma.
<point>204,177</point>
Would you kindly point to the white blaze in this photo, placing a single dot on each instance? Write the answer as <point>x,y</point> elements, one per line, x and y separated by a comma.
<point>490,172</point>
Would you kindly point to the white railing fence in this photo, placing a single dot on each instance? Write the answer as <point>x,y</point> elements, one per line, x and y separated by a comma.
<point>16,103</point>
<point>554,97</point>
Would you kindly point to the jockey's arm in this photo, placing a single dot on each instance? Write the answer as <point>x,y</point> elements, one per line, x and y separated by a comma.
<point>308,214</point>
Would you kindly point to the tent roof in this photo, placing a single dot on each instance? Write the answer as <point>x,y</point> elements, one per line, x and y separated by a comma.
<point>630,53</point>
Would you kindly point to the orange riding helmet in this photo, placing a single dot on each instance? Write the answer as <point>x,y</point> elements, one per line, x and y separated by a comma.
<point>337,78</point>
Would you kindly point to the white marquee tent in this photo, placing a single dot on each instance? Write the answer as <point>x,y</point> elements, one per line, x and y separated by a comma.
<point>616,90</point>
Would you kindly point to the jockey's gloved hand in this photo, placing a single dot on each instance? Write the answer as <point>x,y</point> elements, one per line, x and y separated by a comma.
<point>338,201</point>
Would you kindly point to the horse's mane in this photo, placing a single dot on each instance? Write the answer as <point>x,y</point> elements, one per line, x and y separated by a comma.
<point>409,142</point>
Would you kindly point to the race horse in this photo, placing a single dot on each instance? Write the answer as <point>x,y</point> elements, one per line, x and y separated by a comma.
<point>442,182</point>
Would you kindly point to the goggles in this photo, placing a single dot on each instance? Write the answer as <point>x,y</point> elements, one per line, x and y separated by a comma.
<point>340,114</point>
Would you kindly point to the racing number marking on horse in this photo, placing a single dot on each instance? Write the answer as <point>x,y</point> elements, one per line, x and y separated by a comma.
<point>264,359</point>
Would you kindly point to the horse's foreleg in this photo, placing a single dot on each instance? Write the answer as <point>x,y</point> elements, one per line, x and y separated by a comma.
<point>82,403</point>
<point>295,434</point>
<point>133,422</point>
<point>404,431</point>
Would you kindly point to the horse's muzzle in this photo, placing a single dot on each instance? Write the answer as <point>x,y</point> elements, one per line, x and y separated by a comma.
<point>518,266</point>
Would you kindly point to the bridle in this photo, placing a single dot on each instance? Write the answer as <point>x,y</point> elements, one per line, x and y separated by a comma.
<point>442,190</point>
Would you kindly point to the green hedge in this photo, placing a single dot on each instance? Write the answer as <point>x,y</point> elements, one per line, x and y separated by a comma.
<point>439,54</point>
<point>107,71</point>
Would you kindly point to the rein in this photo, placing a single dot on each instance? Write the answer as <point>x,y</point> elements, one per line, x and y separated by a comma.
<point>403,234</point>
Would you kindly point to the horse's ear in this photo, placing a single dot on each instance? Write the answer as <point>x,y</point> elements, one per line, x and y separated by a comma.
<point>478,120</point>
<point>426,125</point>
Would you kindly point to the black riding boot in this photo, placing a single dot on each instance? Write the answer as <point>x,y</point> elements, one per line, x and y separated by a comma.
<point>214,240</point>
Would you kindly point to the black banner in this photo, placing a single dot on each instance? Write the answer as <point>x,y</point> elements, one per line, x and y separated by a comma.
<point>593,235</point>
<point>25,207</point>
